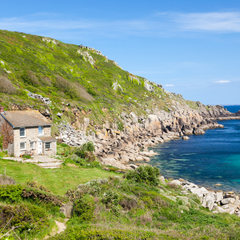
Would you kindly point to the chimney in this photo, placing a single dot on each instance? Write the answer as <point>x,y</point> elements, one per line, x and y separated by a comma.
<point>1,110</point>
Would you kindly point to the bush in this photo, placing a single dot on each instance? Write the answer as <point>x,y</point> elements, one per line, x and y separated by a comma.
<point>6,86</point>
<point>26,217</point>
<point>84,207</point>
<point>144,174</point>
<point>86,150</point>
<point>42,196</point>
<point>110,198</point>
<point>11,193</point>
<point>30,78</point>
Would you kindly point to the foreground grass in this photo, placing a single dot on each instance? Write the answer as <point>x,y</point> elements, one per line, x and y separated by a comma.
<point>56,180</point>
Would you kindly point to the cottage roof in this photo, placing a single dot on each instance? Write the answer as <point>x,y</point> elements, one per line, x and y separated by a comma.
<point>30,118</point>
<point>47,138</point>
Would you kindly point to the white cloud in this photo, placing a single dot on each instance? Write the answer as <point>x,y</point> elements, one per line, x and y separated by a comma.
<point>213,21</point>
<point>222,81</point>
<point>158,25</point>
<point>169,85</point>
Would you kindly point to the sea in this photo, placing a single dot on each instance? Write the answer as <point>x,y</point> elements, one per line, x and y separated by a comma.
<point>211,160</point>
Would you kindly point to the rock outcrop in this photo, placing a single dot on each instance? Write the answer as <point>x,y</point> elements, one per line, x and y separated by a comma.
<point>215,201</point>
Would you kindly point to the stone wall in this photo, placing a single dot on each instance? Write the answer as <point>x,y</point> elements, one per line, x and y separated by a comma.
<point>31,135</point>
<point>51,151</point>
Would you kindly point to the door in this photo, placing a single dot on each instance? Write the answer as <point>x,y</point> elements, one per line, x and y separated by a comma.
<point>40,147</point>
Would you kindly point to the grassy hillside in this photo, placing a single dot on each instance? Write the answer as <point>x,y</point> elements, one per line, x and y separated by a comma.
<point>67,74</point>
<point>122,207</point>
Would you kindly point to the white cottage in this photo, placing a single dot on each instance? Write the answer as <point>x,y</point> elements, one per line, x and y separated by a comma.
<point>26,132</point>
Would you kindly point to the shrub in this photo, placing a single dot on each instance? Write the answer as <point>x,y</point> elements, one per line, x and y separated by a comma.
<point>64,145</point>
<point>91,91</point>
<point>144,174</point>
<point>128,203</point>
<point>26,156</point>
<point>30,78</point>
<point>42,196</point>
<point>85,151</point>
<point>33,184</point>
<point>84,207</point>
<point>110,198</point>
<point>11,193</point>
<point>6,86</point>
<point>25,217</point>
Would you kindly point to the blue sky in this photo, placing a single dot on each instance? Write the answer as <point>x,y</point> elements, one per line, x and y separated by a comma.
<point>190,47</point>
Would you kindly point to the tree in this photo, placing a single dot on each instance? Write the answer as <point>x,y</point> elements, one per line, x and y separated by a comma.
<point>7,133</point>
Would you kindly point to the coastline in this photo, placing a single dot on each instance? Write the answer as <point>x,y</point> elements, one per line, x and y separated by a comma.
<point>124,148</point>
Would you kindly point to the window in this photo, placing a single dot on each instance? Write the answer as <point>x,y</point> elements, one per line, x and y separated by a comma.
<point>22,132</point>
<point>22,146</point>
<point>40,130</point>
<point>47,145</point>
<point>32,145</point>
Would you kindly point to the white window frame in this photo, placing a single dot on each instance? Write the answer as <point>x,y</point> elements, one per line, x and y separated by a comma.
<point>24,132</point>
<point>33,147</point>
<point>25,145</point>
<point>42,131</point>
<point>46,146</point>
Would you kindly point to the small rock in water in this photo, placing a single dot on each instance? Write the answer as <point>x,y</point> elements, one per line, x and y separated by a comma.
<point>218,184</point>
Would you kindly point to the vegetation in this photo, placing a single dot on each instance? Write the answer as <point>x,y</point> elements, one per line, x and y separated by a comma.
<point>106,204</point>
<point>63,73</point>
<point>109,206</point>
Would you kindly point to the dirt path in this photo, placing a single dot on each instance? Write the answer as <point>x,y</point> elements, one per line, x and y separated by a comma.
<point>61,226</point>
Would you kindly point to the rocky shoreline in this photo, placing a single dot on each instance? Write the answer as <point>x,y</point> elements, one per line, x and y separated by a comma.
<point>122,148</point>
<point>216,201</point>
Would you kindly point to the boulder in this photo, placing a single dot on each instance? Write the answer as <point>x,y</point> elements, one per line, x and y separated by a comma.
<point>188,132</point>
<point>85,124</point>
<point>67,210</point>
<point>227,201</point>
<point>176,182</point>
<point>152,123</point>
<point>185,138</point>
<point>134,117</point>
<point>6,180</point>
<point>198,131</point>
<point>218,196</point>
<point>162,180</point>
<point>133,166</point>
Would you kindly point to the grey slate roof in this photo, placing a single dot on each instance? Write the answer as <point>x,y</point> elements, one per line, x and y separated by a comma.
<point>47,138</point>
<point>31,118</point>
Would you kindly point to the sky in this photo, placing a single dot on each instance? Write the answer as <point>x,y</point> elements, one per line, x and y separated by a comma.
<point>190,47</point>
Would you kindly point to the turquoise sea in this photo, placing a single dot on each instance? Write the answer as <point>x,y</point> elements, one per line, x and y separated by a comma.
<point>209,159</point>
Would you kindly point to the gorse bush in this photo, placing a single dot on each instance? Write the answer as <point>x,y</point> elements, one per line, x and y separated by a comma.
<point>11,193</point>
<point>84,207</point>
<point>26,218</point>
<point>6,86</point>
<point>144,174</point>
<point>85,151</point>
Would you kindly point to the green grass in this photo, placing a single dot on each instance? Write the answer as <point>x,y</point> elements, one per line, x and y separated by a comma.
<point>56,180</point>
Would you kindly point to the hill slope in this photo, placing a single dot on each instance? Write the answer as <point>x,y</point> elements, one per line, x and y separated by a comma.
<point>76,76</point>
